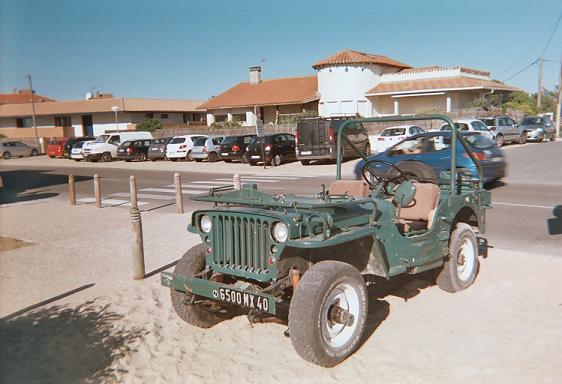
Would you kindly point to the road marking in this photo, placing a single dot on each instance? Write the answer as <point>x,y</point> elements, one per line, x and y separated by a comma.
<point>522,205</point>
<point>110,201</point>
<point>211,181</point>
<point>144,196</point>
<point>166,190</point>
<point>242,178</point>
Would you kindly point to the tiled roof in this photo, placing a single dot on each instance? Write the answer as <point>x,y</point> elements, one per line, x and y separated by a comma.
<point>100,105</point>
<point>433,68</point>
<point>355,57</point>
<point>291,90</point>
<point>449,83</point>
<point>22,98</point>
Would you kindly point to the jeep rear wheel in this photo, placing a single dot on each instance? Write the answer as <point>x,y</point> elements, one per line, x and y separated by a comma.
<point>328,312</point>
<point>191,308</point>
<point>460,270</point>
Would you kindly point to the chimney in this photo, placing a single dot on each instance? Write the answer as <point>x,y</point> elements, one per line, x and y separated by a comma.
<point>255,75</point>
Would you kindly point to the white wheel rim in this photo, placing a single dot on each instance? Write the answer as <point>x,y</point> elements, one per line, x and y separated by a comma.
<point>465,260</point>
<point>336,335</point>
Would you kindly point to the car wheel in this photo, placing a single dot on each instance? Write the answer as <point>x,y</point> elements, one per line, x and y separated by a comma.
<point>276,161</point>
<point>460,270</point>
<point>328,312</point>
<point>173,159</point>
<point>6,155</point>
<point>77,160</point>
<point>227,161</point>
<point>141,156</point>
<point>244,159</point>
<point>51,157</point>
<point>34,152</point>
<point>252,163</point>
<point>522,138</point>
<point>191,308</point>
<point>212,157</point>
<point>106,157</point>
<point>189,157</point>
<point>305,162</point>
<point>499,140</point>
<point>198,160</point>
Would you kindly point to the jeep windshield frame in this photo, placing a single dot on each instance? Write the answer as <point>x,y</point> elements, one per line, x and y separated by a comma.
<point>454,137</point>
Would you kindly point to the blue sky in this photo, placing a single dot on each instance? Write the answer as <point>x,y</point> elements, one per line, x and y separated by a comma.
<point>193,49</point>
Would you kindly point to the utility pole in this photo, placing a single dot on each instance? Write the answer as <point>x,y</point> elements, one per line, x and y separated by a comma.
<point>33,113</point>
<point>559,101</point>
<point>539,94</point>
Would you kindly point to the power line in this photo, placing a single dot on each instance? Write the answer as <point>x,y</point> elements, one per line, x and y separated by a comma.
<point>551,35</point>
<point>521,71</point>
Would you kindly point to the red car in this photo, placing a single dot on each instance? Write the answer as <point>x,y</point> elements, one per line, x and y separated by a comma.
<point>55,148</point>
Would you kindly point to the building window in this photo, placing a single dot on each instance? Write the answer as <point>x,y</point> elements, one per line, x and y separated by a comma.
<point>163,115</point>
<point>220,118</point>
<point>63,121</point>
<point>149,115</point>
<point>240,117</point>
<point>24,122</point>
<point>187,118</point>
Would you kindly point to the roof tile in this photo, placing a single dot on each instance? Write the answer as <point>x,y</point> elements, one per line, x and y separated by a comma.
<point>355,57</point>
<point>458,82</point>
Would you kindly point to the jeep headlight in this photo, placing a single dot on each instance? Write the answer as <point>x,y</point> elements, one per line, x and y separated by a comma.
<point>280,232</point>
<point>206,224</point>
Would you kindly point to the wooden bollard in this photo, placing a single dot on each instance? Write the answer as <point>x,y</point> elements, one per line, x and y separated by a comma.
<point>71,190</point>
<point>133,188</point>
<point>179,196</point>
<point>137,244</point>
<point>97,190</point>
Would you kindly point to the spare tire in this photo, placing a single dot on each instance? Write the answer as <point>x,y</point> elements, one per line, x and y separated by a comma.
<point>418,171</point>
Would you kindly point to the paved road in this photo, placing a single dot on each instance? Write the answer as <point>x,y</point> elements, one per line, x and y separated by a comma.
<point>523,204</point>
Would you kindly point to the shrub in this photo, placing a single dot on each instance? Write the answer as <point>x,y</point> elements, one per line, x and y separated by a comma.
<point>149,125</point>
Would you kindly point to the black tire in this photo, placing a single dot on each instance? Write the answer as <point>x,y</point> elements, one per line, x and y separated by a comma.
<point>77,160</point>
<point>499,140</point>
<point>418,171</point>
<point>199,313</point>
<point>141,156</point>
<point>276,160</point>
<point>212,157</point>
<point>189,157</point>
<point>244,159</point>
<point>173,159</point>
<point>552,138</point>
<point>252,163</point>
<point>106,157</point>
<point>522,138</point>
<point>35,153</point>
<point>453,277</point>
<point>198,160</point>
<point>305,162</point>
<point>310,308</point>
<point>6,155</point>
<point>51,157</point>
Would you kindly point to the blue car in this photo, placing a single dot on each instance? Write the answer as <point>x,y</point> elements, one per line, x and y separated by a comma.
<point>428,154</point>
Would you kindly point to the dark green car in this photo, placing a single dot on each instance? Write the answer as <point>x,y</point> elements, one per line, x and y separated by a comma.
<point>306,259</point>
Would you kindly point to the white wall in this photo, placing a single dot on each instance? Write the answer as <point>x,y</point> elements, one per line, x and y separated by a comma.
<point>342,88</point>
<point>173,117</point>
<point>106,122</point>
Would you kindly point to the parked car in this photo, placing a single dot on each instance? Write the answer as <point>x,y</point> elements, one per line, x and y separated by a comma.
<point>428,154</point>
<point>206,148</point>
<point>278,148</point>
<point>470,125</point>
<point>76,151</point>
<point>104,148</point>
<point>504,129</point>
<point>157,150</point>
<point>134,150</point>
<point>180,147</point>
<point>538,128</point>
<point>55,147</point>
<point>392,135</point>
<point>73,140</point>
<point>17,148</point>
<point>234,147</point>
<point>316,139</point>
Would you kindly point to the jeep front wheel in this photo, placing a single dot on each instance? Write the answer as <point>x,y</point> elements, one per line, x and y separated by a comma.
<point>460,270</point>
<point>328,312</point>
<point>191,308</point>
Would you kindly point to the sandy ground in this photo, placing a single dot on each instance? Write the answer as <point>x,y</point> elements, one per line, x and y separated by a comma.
<point>70,312</point>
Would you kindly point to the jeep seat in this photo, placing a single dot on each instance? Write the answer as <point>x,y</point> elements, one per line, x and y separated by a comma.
<point>355,188</point>
<point>419,214</point>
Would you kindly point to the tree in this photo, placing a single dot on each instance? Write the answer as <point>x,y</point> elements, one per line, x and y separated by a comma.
<point>149,125</point>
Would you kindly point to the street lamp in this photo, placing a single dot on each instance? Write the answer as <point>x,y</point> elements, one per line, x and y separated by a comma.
<point>115,108</point>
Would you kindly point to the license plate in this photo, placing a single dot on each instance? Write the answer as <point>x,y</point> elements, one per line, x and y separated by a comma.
<point>172,153</point>
<point>224,154</point>
<point>255,157</point>
<point>496,159</point>
<point>244,299</point>
<point>306,153</point>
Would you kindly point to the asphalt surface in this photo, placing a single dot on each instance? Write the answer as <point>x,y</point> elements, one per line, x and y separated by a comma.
<point>523,218</point>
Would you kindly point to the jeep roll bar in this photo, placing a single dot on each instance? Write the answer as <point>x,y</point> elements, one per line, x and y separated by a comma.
<point>446,119</point>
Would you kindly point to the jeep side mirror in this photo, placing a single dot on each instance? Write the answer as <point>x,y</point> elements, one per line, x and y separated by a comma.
<point>404,194</point>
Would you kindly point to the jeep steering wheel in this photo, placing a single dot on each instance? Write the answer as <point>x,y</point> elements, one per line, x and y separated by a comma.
<point>383,179</point>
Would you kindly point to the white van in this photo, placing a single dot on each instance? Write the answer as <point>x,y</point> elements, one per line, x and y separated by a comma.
<point>104,147</point>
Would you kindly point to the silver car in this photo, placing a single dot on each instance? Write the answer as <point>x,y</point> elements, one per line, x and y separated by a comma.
<point>206,148</point>
<point>538,128</point>
<point>16,148</point>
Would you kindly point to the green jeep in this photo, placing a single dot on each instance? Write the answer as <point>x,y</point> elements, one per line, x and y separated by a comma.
<point>306,259</point>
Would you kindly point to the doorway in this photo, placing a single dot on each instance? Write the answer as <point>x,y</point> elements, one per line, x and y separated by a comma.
<point>87,125</point>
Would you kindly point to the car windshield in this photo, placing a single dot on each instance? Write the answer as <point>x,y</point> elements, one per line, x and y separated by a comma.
<point>101,139</point>
<point>178,140</point>
<point>532,120</point>
<point>199,142</point>
<point>393,132</point>
<point>230,140</point>
<point>460,127</point>
<point>479,141</point>
<point>80,144</point>
<point>488,122</point>
<point>127,144</point>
